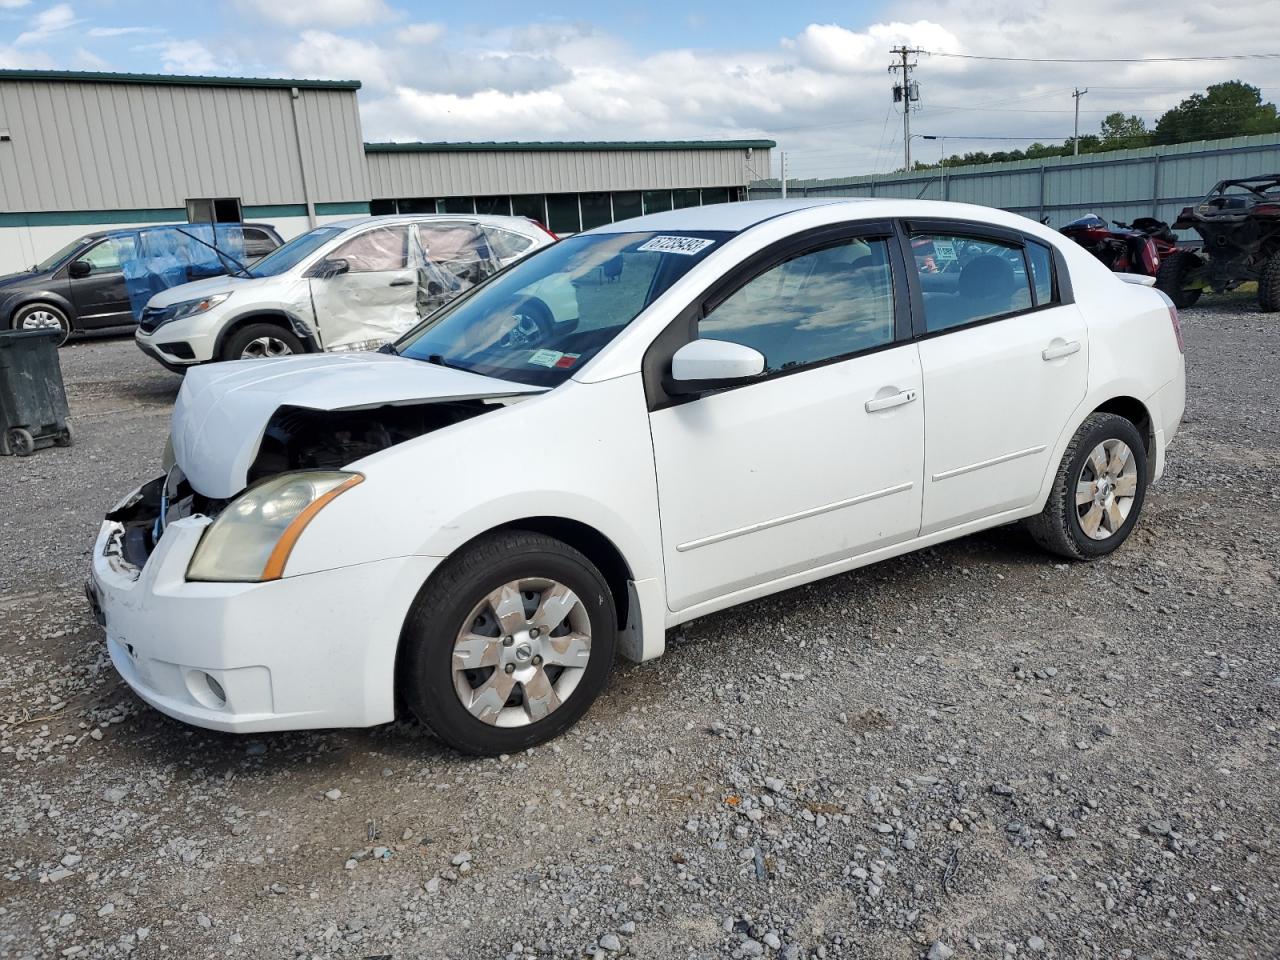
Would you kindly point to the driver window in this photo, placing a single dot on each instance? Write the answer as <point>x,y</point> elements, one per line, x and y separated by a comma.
<point>374,251</point>
<point>458,248</point>
<point>107,256</point>
<point>822,304</point>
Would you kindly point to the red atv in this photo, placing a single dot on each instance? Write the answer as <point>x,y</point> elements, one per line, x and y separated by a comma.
<point>1136,247</point>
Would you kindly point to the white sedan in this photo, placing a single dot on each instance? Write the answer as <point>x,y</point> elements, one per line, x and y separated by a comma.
<point>734,400</point>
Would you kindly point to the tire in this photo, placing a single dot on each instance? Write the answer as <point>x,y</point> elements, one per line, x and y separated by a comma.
<point>261,340</point>
<point>42,316</point>
<point>533,324</point>
<point>1063,527</point>
<point>20,442</point>
<point>456,600</point>
<point>1269,285</point>
<point>1171,278</point>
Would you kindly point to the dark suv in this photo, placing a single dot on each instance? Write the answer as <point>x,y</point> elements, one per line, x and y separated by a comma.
<point>1239,221</point>
<point>82,286</point>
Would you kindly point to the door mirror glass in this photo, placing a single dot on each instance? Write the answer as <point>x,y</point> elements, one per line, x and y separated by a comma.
<point>332,267</point>
<point>709,364</point>
<point>79,269</point>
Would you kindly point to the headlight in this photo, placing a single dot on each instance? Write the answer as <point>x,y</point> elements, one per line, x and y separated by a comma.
<point>189,308</point>
<point>252,538</point>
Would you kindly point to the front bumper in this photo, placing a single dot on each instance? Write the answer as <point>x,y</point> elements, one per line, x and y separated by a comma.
<point>309,651</point>
<point>177,345</point>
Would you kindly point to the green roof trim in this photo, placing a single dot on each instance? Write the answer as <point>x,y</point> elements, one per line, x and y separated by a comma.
<point>177,80</point>
<point>545,146</point>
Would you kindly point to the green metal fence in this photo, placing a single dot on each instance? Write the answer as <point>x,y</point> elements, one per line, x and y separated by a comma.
<point>1120,185</point>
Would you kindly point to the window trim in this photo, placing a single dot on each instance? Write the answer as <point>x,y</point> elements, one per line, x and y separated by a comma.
<point>907,228</point>
<point>656,364</point>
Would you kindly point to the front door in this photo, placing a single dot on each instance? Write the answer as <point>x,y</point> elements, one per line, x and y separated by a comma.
<point>817,461</point>
<point>1005,364</point>
<point>100,295</point>
<point>375,299</point>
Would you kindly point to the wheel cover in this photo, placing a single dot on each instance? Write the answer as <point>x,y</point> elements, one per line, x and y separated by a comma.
<point>521,652</point>
<point>1106,489</point>
<point>265,347</point>
<point>41,319</point>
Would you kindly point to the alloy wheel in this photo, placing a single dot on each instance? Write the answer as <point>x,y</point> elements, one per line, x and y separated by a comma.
<point>261,347</point>
<point>521,652</point>
<point>1106,489</point>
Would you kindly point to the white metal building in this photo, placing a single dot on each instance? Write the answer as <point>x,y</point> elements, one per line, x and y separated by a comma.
<point>87,151</point>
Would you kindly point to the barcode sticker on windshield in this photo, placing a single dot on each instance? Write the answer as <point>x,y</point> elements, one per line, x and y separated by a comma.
<point>685,245</point>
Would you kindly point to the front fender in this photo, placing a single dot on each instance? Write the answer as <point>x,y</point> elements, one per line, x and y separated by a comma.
<point>9,304</point>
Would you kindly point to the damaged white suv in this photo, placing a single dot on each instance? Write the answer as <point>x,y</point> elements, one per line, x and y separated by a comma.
<point>731,401</point>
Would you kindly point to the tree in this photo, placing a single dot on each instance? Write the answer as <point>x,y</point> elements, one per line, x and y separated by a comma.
<point>1231,109</point>
<point>1124,133</point>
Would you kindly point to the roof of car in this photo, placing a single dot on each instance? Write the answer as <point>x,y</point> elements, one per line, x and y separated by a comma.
<point>491,219</point>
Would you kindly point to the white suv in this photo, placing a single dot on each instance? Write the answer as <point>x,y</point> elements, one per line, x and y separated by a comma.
<point>351,285</point>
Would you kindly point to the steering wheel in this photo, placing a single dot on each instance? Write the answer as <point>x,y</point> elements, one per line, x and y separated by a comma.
<point>532,325</point>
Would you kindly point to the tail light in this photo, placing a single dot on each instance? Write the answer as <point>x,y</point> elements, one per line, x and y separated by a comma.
<point>1173,319</point>
<point>1150,258</point>
<point>543,228</point>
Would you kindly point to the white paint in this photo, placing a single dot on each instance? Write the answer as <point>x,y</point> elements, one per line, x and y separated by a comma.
<point>767,486</point>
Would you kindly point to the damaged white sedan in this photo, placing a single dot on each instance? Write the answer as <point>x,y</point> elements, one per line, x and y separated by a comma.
<point>717,403</point>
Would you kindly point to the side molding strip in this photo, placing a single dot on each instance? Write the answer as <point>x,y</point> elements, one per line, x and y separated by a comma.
<point>948,474</point>
<point>802,515</point>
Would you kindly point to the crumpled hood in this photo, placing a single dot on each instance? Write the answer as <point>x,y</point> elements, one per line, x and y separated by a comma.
<point>199,289</point>
<point>223,408</point>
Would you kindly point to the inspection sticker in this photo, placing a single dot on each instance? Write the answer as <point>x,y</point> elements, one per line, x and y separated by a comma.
<point>546,358</point>
<point>684,245</point>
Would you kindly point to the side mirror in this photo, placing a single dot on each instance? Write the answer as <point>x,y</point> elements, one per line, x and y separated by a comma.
<point>79,269</point>
<point>703,365</point>
<point>333,267</point>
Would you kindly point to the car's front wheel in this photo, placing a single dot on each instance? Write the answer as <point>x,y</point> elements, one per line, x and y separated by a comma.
<point>42,316</point>
<point>1098,491</point>
<point>508,644</point>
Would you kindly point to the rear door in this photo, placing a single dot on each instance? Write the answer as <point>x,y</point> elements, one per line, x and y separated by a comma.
<point>1005,359</point>
<point>100,296</point>
<point>374,300</point>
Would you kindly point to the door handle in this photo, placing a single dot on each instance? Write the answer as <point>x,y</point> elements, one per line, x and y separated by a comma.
<point>402,283</point>
<point>886,403</point>
<point>1059,349</point>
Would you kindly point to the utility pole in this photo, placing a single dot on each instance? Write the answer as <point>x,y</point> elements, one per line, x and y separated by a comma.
<point>1075,140</point>
<point>906,94</point>
<point>782,161</point>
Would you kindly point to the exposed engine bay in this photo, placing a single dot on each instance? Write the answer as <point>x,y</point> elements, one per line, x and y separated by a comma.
<point>295,438</point>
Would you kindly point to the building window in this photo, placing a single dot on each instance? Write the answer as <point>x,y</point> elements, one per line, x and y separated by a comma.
<point>494,206</point>
<point>627,205</point>
<point>532,206</point>
<point>715,195</point>
<point>214,210</point>
<point>562,213</point>
<point>684,198</point>
<point>380,208</point>
<point>655,201</point>
<point>596,210</point>
<point>416,205</point>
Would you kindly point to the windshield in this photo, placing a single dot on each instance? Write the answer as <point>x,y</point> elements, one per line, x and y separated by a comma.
<point>50,262</point>
<point>543,318</point>
<point>294,252</point>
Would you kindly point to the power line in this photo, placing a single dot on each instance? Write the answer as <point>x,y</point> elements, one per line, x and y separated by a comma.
<point>1225,56</point>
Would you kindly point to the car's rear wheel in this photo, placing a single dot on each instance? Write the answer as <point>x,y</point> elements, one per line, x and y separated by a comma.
<point>42,316</point>
<point>508,644</point>
<point>1098,490</point>
<point>1172,276</point>
<point>1269,284</point>
<point>261,340</point>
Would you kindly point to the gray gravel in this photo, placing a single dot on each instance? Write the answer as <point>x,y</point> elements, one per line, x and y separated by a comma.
<point>974,751</point>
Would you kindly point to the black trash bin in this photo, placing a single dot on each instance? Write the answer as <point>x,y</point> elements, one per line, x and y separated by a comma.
<point>33,400</point>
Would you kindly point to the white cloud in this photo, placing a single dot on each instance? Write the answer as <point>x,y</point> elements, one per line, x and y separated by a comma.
<point>13,4</point>
<point>319,54</point>
<point>48,23</point>
<point>88,60</point>
<point>421,34</point>
<point>190,57</point>
<point>106,32</point>
<point>319,13</point>
<point>11,58</point>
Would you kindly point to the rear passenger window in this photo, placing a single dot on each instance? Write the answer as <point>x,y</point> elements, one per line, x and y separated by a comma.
<point>1041,273</point>
<point>965,279</point>
<point>820,305</point>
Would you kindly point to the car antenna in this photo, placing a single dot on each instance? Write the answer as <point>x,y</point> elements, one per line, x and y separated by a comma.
<point>213,246</point>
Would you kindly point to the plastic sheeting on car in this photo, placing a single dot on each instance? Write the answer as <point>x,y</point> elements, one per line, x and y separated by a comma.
<point>157,258</point>
<point>383,281</point>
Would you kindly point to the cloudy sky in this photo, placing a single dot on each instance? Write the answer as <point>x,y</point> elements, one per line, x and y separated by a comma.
<point>811,75</point>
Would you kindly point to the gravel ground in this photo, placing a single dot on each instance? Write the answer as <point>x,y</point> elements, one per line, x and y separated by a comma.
<point>973,751</point>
